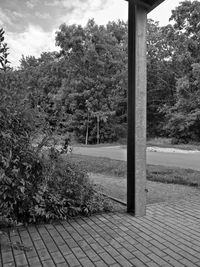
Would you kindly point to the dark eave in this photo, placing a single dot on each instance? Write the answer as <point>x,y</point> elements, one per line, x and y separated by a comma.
<point>149,5</point>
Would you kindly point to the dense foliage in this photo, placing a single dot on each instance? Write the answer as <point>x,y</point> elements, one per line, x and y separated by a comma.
<point>82,89</point>
<point>173,93</point>
<point>183,117</point>
<point>35,186</point>
<point>38,187</point>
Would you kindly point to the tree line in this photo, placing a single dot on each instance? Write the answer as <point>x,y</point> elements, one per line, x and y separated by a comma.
<point>82,89</point>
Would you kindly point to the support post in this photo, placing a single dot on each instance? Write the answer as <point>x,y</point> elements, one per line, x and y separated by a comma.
<point>136,144</point>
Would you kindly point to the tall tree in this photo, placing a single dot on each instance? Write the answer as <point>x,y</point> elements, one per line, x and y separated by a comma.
<point>183,117</point>
<point>160,77</point>
<point>94,54</point>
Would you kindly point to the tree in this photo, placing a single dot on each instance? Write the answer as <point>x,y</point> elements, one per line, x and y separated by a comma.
<point>43,80</point>
<point>183,117</point>
<point>3,52</point>
<point>94,55</point>
<point>160,77</point>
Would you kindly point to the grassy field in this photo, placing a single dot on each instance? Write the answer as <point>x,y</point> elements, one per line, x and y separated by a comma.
<point>156,192</point>
<point>155,173</point>
<point>163,183</point>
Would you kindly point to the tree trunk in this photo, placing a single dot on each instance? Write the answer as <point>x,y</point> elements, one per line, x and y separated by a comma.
<point>98,136</point>
<point>87,130</point>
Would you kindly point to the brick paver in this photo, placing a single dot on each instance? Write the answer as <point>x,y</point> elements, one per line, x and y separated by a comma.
<point>169,235</point>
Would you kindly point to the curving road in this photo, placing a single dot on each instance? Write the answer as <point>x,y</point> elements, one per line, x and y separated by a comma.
<point>189,160</point>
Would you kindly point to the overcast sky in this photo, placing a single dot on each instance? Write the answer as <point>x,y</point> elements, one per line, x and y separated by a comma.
<point>30,25</point>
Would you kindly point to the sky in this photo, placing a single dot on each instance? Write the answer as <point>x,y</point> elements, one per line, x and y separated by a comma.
<point>30,25</point>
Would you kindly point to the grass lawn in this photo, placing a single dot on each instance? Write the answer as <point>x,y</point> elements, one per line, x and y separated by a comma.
<point>164,183</point>
<point>116,187</point>
<point>155,173</point>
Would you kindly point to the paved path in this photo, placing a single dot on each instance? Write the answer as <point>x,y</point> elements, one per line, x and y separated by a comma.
<point>169,235</point>
<point>182,160</point>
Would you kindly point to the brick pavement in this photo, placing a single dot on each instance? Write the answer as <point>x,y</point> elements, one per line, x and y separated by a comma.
<point>169,235</point>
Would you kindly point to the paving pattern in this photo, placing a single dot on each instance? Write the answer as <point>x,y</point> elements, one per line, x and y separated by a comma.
<point>169,235</point>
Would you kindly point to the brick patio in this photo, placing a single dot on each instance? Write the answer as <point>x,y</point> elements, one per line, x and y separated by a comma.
<point>169,235</point>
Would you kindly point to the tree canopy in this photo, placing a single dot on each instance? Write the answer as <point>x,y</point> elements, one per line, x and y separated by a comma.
<point>83,88</point>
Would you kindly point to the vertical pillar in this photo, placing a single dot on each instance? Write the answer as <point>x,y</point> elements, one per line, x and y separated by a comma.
<point>136,145</point>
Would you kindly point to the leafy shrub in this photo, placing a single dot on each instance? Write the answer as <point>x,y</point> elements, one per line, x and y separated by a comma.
<point>21,172</point>
<point>34,187</point>
<point>70,184</point>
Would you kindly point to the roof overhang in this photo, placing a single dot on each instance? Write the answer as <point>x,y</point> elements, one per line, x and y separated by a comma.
<point>149,5</point>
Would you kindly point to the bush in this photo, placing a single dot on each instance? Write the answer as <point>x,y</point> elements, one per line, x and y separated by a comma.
<point>68,191</point>
<point>34,187</point>
<point>21,171</point>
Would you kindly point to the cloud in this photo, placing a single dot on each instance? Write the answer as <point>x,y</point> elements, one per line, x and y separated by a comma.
<point>31,32</point>
<point>111,11</point>
<point>17,14</point>
<point>53,3</point>
<point>42,15</point>
<point>83,5</point>
<point>4,18</point>
<point>31,3</point>
<point>102,10</point>
<point>68,4</point>
<point>32,42</point>
<point>77,11</point>
<point>49,14</point>
<point>11,20</point>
